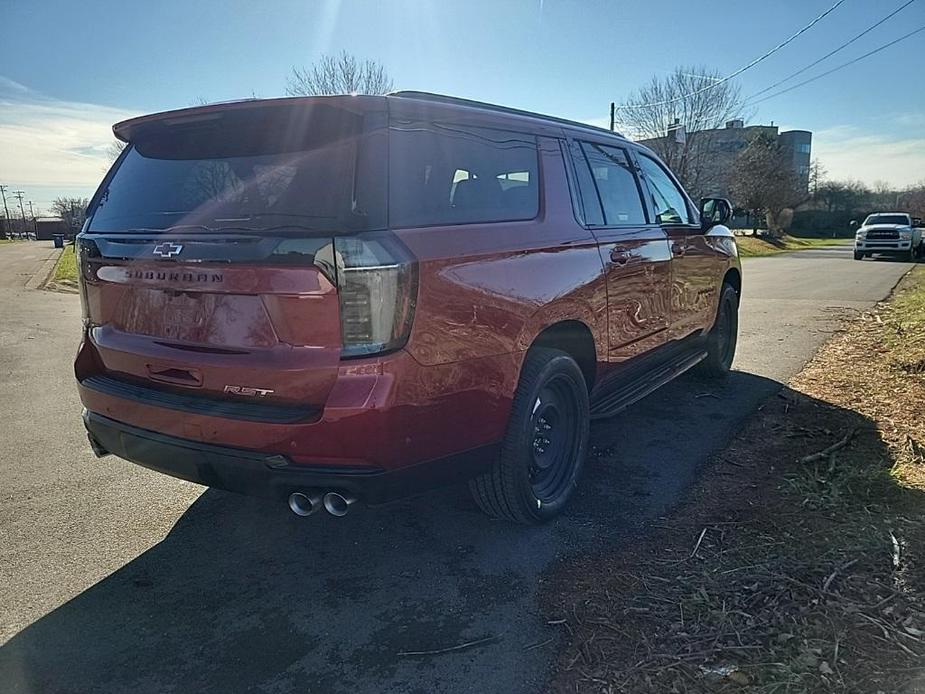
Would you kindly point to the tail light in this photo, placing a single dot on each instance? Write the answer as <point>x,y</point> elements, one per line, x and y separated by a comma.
<point>377,289</point>
<point>85,249</point>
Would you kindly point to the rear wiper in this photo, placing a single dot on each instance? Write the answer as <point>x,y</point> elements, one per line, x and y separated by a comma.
<point>165,230</point>
<point>218,229</point>
<point>259,215</point>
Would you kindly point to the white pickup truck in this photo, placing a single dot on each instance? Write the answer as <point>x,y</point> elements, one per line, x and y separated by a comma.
<point>893,233</point>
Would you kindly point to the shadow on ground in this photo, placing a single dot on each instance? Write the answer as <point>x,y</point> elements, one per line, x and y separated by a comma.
<point>802,541</point>
<point>243,596</point>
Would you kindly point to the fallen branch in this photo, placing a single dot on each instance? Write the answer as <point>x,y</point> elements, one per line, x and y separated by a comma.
<point>699,540</point>
<point>828,581</point>
<point>824,453</point>
<point>450,649</point>
<point>537,645</point>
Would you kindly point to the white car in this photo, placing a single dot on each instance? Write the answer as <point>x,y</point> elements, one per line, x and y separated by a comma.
<point>892,233</point>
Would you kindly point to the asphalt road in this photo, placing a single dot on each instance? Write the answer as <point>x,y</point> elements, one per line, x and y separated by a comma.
<point>21,261</point>
<point>114,578</point>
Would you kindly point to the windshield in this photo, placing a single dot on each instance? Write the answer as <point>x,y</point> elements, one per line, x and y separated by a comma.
<point>886,219</point>
<point>306,169</point>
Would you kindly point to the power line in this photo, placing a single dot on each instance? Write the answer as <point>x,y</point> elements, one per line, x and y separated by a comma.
<point>839,67</point>
<point>831,53</point>
<point>635,107</point>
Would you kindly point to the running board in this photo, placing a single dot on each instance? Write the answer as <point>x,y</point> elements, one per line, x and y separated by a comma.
<point>624,393</point>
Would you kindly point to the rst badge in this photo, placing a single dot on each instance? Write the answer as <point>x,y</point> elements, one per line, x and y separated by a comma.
<point>167,249</point>
<point>247,390</point>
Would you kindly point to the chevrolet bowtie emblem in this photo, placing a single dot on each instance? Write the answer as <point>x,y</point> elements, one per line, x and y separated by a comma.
<point>167,249</point>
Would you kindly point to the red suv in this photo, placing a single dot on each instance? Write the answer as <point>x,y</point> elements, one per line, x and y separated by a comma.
<point>334,299</point>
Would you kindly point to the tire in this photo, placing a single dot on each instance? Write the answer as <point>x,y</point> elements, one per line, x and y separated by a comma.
<point>858,255</point>
<point>721,342</point>
<point>538,468</point>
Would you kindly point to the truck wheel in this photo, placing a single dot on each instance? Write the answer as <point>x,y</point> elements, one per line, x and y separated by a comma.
<point>721,342</point>
<point>545,445</point>
<point>858,255</point>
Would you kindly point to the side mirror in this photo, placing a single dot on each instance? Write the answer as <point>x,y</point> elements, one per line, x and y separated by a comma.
<point>917,222</point>
<point>853,224</point>
<point>714,211</point>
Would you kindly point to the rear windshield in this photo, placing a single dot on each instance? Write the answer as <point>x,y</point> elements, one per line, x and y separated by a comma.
<point>317,168</point>
<point>312,168</point>
<point>887,219</point>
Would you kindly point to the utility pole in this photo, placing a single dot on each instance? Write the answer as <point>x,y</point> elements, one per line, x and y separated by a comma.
<point>613,113</point>
<point>18,194</point>
<point>6,210</point>
<point>32,217</point>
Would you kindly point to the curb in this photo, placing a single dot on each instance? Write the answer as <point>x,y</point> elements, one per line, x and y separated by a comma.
<point>40,278</point>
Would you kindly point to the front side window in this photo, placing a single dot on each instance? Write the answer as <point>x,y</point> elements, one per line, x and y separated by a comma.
<point>667,199</point>
<point>616,184</point>
<point>447,174</point>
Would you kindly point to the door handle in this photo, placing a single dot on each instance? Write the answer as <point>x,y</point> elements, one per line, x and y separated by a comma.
<point>620,255</point>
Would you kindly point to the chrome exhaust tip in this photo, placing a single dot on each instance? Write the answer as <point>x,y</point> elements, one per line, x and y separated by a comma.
<point>304,503</point>
<point>338,504</point>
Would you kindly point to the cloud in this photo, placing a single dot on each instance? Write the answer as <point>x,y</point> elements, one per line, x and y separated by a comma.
<point>910,119</point>
<point>847,152</point>
<point>50,142</point>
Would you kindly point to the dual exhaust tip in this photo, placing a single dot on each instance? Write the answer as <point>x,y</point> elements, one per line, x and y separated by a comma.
<point>309,502</point>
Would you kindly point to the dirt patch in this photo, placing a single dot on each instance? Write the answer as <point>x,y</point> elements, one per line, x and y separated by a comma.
<point>798,562</point>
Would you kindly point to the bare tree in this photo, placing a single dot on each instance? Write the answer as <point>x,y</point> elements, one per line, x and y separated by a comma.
<point>339,74</point>
<point>692,98</point>
<point>72,210</point>
<point>817,174</point>
<point>114,150</point>
<point>912,200</point>
<point>764,183</point>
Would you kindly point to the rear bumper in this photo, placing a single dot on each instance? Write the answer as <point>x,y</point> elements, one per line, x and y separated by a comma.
<point>388,413</point>
<point>273,476</point>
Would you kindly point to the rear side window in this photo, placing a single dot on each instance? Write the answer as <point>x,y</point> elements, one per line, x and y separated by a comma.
<point>667,199</point>
<point>616,184</point>
<point>445,174</point>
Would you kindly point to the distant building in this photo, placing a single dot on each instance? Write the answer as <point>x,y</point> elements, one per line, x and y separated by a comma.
<point>47,227</point>
<point>717,149</point>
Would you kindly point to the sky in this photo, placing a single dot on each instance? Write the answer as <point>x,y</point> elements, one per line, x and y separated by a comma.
<point>69,70</point>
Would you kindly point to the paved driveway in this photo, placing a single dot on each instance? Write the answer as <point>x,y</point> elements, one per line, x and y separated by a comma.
<point>116,579</point>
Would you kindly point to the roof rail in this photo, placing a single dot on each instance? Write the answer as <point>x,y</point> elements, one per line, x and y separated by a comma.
<point>459,101</point>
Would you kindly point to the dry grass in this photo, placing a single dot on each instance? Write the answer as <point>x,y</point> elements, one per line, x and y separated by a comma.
<point>756,246</point>
<point>65,274</point>
<point>798,565</point>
